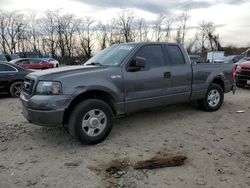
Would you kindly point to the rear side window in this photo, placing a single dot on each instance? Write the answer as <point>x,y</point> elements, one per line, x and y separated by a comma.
<point>5,68</point>
<point>34,61</point>
<point>175,55</point>
<point>153,55</point>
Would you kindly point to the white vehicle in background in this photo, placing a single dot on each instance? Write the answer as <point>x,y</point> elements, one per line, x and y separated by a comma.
<point>215,56</point>
<point>50,60</point>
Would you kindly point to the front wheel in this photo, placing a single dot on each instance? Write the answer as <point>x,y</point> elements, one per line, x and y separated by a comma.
<point>213,99</point>
<point>91,121</point>
<point>16,88</point>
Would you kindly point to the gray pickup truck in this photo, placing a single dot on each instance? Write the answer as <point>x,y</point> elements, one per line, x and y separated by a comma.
<point>121,79</point>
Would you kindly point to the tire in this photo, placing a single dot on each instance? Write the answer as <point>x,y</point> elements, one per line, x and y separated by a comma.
<point>213,99</point>
<point>91,121</point>
<point>16,88</point>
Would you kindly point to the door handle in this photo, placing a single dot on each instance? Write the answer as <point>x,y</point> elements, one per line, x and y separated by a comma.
<point>167,74</point>
<point>10,74</point>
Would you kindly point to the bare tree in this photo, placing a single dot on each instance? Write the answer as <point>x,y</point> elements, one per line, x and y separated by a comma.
<point>33,32</point>
<point>125,24</point>
<point>66,28</point>
<point>3,31</point>
<point>49,31</point>
<point>12,31</point>
<point>102,35</point>
<point>207,33</point>
<point>142,30</point>
<point>183,25</point>
<point>158,28</point>
<point>86,36</point>
<point>70,30</point>
<point>178,36</point>
<point>168,28</point>
<point>191,44</point>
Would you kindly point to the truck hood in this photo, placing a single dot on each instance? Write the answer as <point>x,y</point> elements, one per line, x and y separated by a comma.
<point>245,64</point>
<point>62,71</point>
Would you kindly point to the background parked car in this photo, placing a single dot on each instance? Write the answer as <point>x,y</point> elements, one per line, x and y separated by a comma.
<point>11,78</point>
<point>196,59</point>
<point>11,57</point>
<point>3,58</point>
<point>233,58</point>
<point>243,74</point>
<point>30,63</point>
<point>28,54</point>
<point>50,60</point>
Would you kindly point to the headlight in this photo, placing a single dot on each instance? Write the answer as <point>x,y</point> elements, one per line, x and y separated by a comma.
<point>238,68</point>
<point>48,88</point>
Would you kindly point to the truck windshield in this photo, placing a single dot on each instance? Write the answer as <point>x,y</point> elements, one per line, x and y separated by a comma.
<point>111,56</point>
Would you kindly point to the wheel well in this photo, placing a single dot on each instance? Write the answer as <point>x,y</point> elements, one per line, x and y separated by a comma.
<point>19,80</point>
<point>219,81</point>
<point>94,94</point>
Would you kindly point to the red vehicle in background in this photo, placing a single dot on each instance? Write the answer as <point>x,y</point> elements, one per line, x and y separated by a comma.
<point>30,63</point>
<point>243,73</point>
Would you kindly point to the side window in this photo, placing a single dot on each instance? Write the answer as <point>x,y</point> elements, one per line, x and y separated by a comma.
<point>25,62</point>
<point>9,68</point>
<point>33,61</point>
<point>6,68</point>
<point>153,55</point>
<point>175,55</point>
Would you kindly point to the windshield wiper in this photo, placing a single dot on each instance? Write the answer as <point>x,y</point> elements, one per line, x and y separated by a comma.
<point>95,63</point>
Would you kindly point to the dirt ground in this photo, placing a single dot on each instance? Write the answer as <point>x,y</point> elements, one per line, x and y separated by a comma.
<point>217,147</point>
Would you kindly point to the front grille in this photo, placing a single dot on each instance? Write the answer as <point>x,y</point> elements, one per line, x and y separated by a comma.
<point>245,73</point>
<point>246,68</point>
<point>28,86</point>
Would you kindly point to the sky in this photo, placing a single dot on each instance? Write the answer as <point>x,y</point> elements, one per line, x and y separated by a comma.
<point>231,16</point>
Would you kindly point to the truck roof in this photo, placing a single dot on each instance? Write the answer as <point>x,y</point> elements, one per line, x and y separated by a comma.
<point>143,43</point>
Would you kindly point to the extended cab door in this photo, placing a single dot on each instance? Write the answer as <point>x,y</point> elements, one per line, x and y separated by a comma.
<point>181,73</point>
<point>147,86</point>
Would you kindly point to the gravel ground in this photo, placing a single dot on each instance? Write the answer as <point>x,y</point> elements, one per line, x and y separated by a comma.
<point>217,147</point>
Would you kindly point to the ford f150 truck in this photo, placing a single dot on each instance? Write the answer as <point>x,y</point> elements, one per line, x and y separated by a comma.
<point>121,79</point>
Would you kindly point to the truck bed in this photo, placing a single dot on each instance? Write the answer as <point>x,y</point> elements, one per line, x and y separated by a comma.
<point>205,73</point>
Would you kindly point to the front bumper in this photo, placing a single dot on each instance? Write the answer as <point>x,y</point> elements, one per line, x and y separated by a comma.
<point>242,79</point>
<point>44,118</point>
<point>44,110</point>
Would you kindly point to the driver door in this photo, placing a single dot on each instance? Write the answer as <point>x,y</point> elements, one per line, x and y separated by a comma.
<point>146,87</point>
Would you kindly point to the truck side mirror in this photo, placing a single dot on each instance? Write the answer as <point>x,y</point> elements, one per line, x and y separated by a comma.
<point>140,62</point>
<point>137,64</point>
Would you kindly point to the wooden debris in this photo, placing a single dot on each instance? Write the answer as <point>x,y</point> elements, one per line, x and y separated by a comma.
<point>71,164</point>
<point>157,162</point>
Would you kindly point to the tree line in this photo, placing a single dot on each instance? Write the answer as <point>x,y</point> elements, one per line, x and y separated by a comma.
<point>67,37</point>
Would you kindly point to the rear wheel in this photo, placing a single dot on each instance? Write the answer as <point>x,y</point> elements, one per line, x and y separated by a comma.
<point>16,88</point>
<point>213,99</point>
<point>91,121</point>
